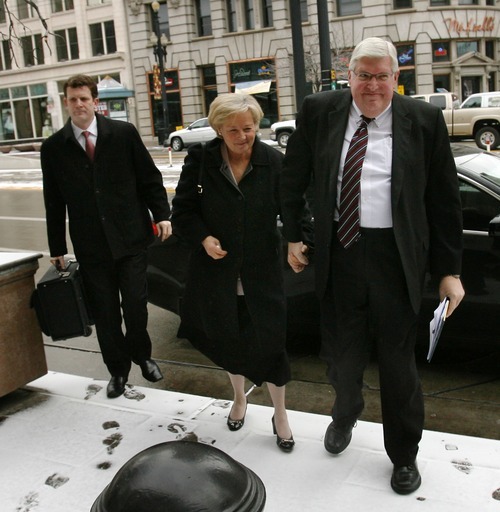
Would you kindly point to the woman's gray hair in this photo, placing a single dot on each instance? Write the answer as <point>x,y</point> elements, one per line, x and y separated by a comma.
<point>374,48</point>
<point>227,105</point>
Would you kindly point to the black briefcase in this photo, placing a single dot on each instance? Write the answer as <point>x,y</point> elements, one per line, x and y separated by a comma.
<point>60,303</point>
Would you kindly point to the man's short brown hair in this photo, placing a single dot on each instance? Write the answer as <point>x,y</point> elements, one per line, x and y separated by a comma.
<point>81,81</point>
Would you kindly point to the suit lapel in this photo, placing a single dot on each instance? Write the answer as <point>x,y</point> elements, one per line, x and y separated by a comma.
<point>401,137</point>
<point>337,121</point>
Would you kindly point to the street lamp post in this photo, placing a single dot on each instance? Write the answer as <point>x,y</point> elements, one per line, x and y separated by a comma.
<point>159,42</point>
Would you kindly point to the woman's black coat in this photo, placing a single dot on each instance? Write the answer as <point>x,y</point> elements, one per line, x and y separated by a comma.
<point>244,221</point>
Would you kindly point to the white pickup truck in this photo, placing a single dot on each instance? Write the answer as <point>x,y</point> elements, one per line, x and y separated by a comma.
<point>478,117</point>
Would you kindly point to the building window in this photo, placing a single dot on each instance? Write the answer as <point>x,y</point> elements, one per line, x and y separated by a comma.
<point>464,47</point>
<point>24,10</point>
<point>489,48</point>
<point>441,51</point>
<point>468,2</point>
<point>267,13</point>
<point>406,61</point>
<point>66,44</point>
<point>23,111</point>
<point>102,36</point>
<point>442,83</point>
<point>173,102</point>
<point>232,24</point>
<point>5,56</point>
<point>32,50</point>
<point>348,7</point>
<point>204,18</point>
<point>439,3</point>
<point>249,15</point>
<point>303,10</point>
<point>403,4</point>
<point>259,77</point>
<point>3,18</point>
<point>62,5</point>
<point>209,85</point>
<point>162,19</point>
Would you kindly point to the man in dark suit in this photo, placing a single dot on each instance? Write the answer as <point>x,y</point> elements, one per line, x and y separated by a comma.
<point>408,214</point>
<point>100,172</point>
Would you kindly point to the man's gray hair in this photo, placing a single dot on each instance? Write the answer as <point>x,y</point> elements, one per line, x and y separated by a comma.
<point>374,48</point>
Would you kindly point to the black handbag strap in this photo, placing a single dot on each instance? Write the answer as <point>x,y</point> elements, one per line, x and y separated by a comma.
<point>202,168</point>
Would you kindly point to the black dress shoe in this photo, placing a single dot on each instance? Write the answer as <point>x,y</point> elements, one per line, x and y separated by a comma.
<point>150,370</point>
<point>234,425</point>
<point>116,386</point>
<point>405,479</point>
<point>338,437</point>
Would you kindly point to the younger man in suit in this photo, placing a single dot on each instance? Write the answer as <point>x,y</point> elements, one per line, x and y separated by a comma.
<point>100,172</point>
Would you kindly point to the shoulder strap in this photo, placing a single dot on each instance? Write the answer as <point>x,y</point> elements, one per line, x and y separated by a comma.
<point>202,168</point>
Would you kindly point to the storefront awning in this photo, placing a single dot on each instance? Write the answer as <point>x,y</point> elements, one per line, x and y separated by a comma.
<point>255,87</point>
<point>109,88</point>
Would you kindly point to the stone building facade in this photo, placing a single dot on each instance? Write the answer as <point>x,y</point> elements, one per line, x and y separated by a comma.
<point>217,46</point>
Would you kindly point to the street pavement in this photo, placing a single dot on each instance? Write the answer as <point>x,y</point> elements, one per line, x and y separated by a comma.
<point>62,440</point>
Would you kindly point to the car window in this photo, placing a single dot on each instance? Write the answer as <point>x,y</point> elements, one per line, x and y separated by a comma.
<point>201,123</point>
<point>472,102</point>
<point>439,101</point>
<point>478,207</point>
<point>494,101</point>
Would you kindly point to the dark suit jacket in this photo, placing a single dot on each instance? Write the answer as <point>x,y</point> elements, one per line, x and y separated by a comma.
<point>425,198</point>
<point>107,200</point>
<point>243,219</point>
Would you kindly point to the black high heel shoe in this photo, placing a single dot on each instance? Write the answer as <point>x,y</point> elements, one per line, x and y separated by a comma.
<point>235,425</point>
<point>285,444</point>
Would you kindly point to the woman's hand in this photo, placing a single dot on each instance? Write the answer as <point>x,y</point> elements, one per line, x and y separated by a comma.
<point>297,256</point>
<point>213,248</point>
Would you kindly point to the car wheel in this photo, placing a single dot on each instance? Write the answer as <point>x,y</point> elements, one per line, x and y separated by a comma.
<point>283,139</point>
<point>177,144</point>
<point>487,134</point>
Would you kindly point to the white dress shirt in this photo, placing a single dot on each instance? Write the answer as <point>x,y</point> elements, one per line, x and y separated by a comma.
<point>79,133</point>
<point>375,203</point>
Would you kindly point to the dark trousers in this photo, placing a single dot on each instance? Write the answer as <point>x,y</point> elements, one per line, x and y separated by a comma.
<point>113,286</point>
<point>367,307</point>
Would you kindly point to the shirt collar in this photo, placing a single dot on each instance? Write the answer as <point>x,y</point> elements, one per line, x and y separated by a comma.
<point>356,113</point>
<point>92,129</point>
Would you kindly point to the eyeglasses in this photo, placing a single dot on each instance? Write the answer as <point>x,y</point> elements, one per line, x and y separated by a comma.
<point>367,77</point>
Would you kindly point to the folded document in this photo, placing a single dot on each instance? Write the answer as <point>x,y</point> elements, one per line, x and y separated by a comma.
<point>436,326</point>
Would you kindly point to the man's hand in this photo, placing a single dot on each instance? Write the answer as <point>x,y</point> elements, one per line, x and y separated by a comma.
<point>164,228</point>
<point>213,248</point>
<point>58,262</point>
<point>297,256</point>
<point>452,288</point>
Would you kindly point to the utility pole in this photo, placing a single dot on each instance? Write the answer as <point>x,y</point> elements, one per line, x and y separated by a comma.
<point>299,68</point>
<point>325,53</point>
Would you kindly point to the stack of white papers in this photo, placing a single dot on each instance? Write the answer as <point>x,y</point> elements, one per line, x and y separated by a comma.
<point>436,326</point>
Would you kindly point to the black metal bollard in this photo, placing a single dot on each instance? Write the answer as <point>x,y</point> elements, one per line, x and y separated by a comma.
<point>182,476</point>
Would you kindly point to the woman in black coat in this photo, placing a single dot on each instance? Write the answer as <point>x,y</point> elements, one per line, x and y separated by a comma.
<point>234,308</point>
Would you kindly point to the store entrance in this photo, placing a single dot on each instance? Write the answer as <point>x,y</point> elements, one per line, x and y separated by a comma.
<point>470,85</point>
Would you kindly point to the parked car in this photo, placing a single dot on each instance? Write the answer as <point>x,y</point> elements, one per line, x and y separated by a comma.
<point>281,130</point>
<point>476,321</point>
<point>199,131</point>
<point>478,117</point>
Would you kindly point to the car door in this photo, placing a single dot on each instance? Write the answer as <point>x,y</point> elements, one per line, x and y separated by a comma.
<point>477,320</point>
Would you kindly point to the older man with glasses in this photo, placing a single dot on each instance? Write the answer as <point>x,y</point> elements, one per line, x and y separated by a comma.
<point>387,206</point>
